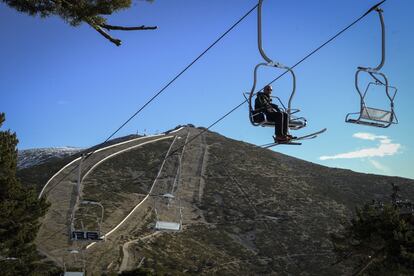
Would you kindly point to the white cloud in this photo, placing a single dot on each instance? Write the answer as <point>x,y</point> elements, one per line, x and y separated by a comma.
<point>368,136</point>
<point>385,148</point>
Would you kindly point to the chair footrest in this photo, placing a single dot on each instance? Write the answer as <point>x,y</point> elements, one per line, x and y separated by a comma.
<point>353,121</point>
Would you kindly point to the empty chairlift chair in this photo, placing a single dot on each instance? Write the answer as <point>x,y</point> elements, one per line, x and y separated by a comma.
<point>368,115</point>
<point>168,213</point>
<point>93,218</point>
<point>371,116</point>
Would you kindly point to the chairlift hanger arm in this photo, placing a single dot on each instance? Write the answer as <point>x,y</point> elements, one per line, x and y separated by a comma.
<point>259,39</point>
<point>267,59</point>
<point>381,18</point>
<point>259,32</point>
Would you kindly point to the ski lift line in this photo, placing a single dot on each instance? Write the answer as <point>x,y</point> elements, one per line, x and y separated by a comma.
<point>139,204</point>
<point>178,75</point>
<point>182,72</point>
<point>239,105</point>
<point>175,78</point>
<point>77,159</point>
<point>299,62</point>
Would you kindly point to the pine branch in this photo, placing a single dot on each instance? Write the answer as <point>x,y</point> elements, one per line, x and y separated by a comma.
<point>122,28</point>
<point>100,27</point>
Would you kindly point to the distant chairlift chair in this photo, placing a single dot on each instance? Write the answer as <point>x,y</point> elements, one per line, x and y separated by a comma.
<point>163,225</point>
<point>88,234</point>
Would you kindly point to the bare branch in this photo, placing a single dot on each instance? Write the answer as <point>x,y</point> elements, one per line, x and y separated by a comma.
<point>116,41</point>
<point>122,28</point>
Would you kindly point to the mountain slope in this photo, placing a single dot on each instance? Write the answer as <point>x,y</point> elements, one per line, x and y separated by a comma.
<point>245,210</point>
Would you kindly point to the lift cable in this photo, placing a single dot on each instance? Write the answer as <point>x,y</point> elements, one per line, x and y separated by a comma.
<point>185,69</point>
<point>161,91</point>
<point>296,64</point>
<point>242,103</point>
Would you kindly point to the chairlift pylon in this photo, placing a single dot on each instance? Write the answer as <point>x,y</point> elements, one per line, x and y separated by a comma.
<point>371,116</point>
<point>259,118</point>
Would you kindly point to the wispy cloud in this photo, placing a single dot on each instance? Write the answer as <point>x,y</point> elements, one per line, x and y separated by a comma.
<point>385,148</point>
<point>379,166</point>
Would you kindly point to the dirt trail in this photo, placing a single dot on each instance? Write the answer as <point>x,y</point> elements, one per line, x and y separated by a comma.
<point>125,265</point>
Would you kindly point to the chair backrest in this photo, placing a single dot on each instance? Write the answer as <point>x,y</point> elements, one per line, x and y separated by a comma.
<point>375,114</point>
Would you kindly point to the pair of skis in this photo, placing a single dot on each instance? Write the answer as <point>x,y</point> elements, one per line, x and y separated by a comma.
<point>295,141</point>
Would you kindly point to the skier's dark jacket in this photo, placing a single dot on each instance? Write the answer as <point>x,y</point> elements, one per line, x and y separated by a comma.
<point>263,102</point>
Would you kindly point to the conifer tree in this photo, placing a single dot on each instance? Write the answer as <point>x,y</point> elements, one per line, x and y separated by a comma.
<point>20,211</point>
<point>75,12</point>
<point>380,238</point>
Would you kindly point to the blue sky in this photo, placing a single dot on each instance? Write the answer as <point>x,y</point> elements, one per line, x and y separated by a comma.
<point>65,86</point>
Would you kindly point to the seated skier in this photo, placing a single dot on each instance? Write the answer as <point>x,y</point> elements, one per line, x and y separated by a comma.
<point>263,104</point>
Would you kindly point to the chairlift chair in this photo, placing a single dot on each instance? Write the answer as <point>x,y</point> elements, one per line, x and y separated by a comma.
<point>372,116</point>
<point>259,118</point>
<point>168,225</point>
<point>79,264</point>
<point>88,234</point>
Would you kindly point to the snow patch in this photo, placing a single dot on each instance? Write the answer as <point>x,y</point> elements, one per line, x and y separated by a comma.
<point>31,157</point>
